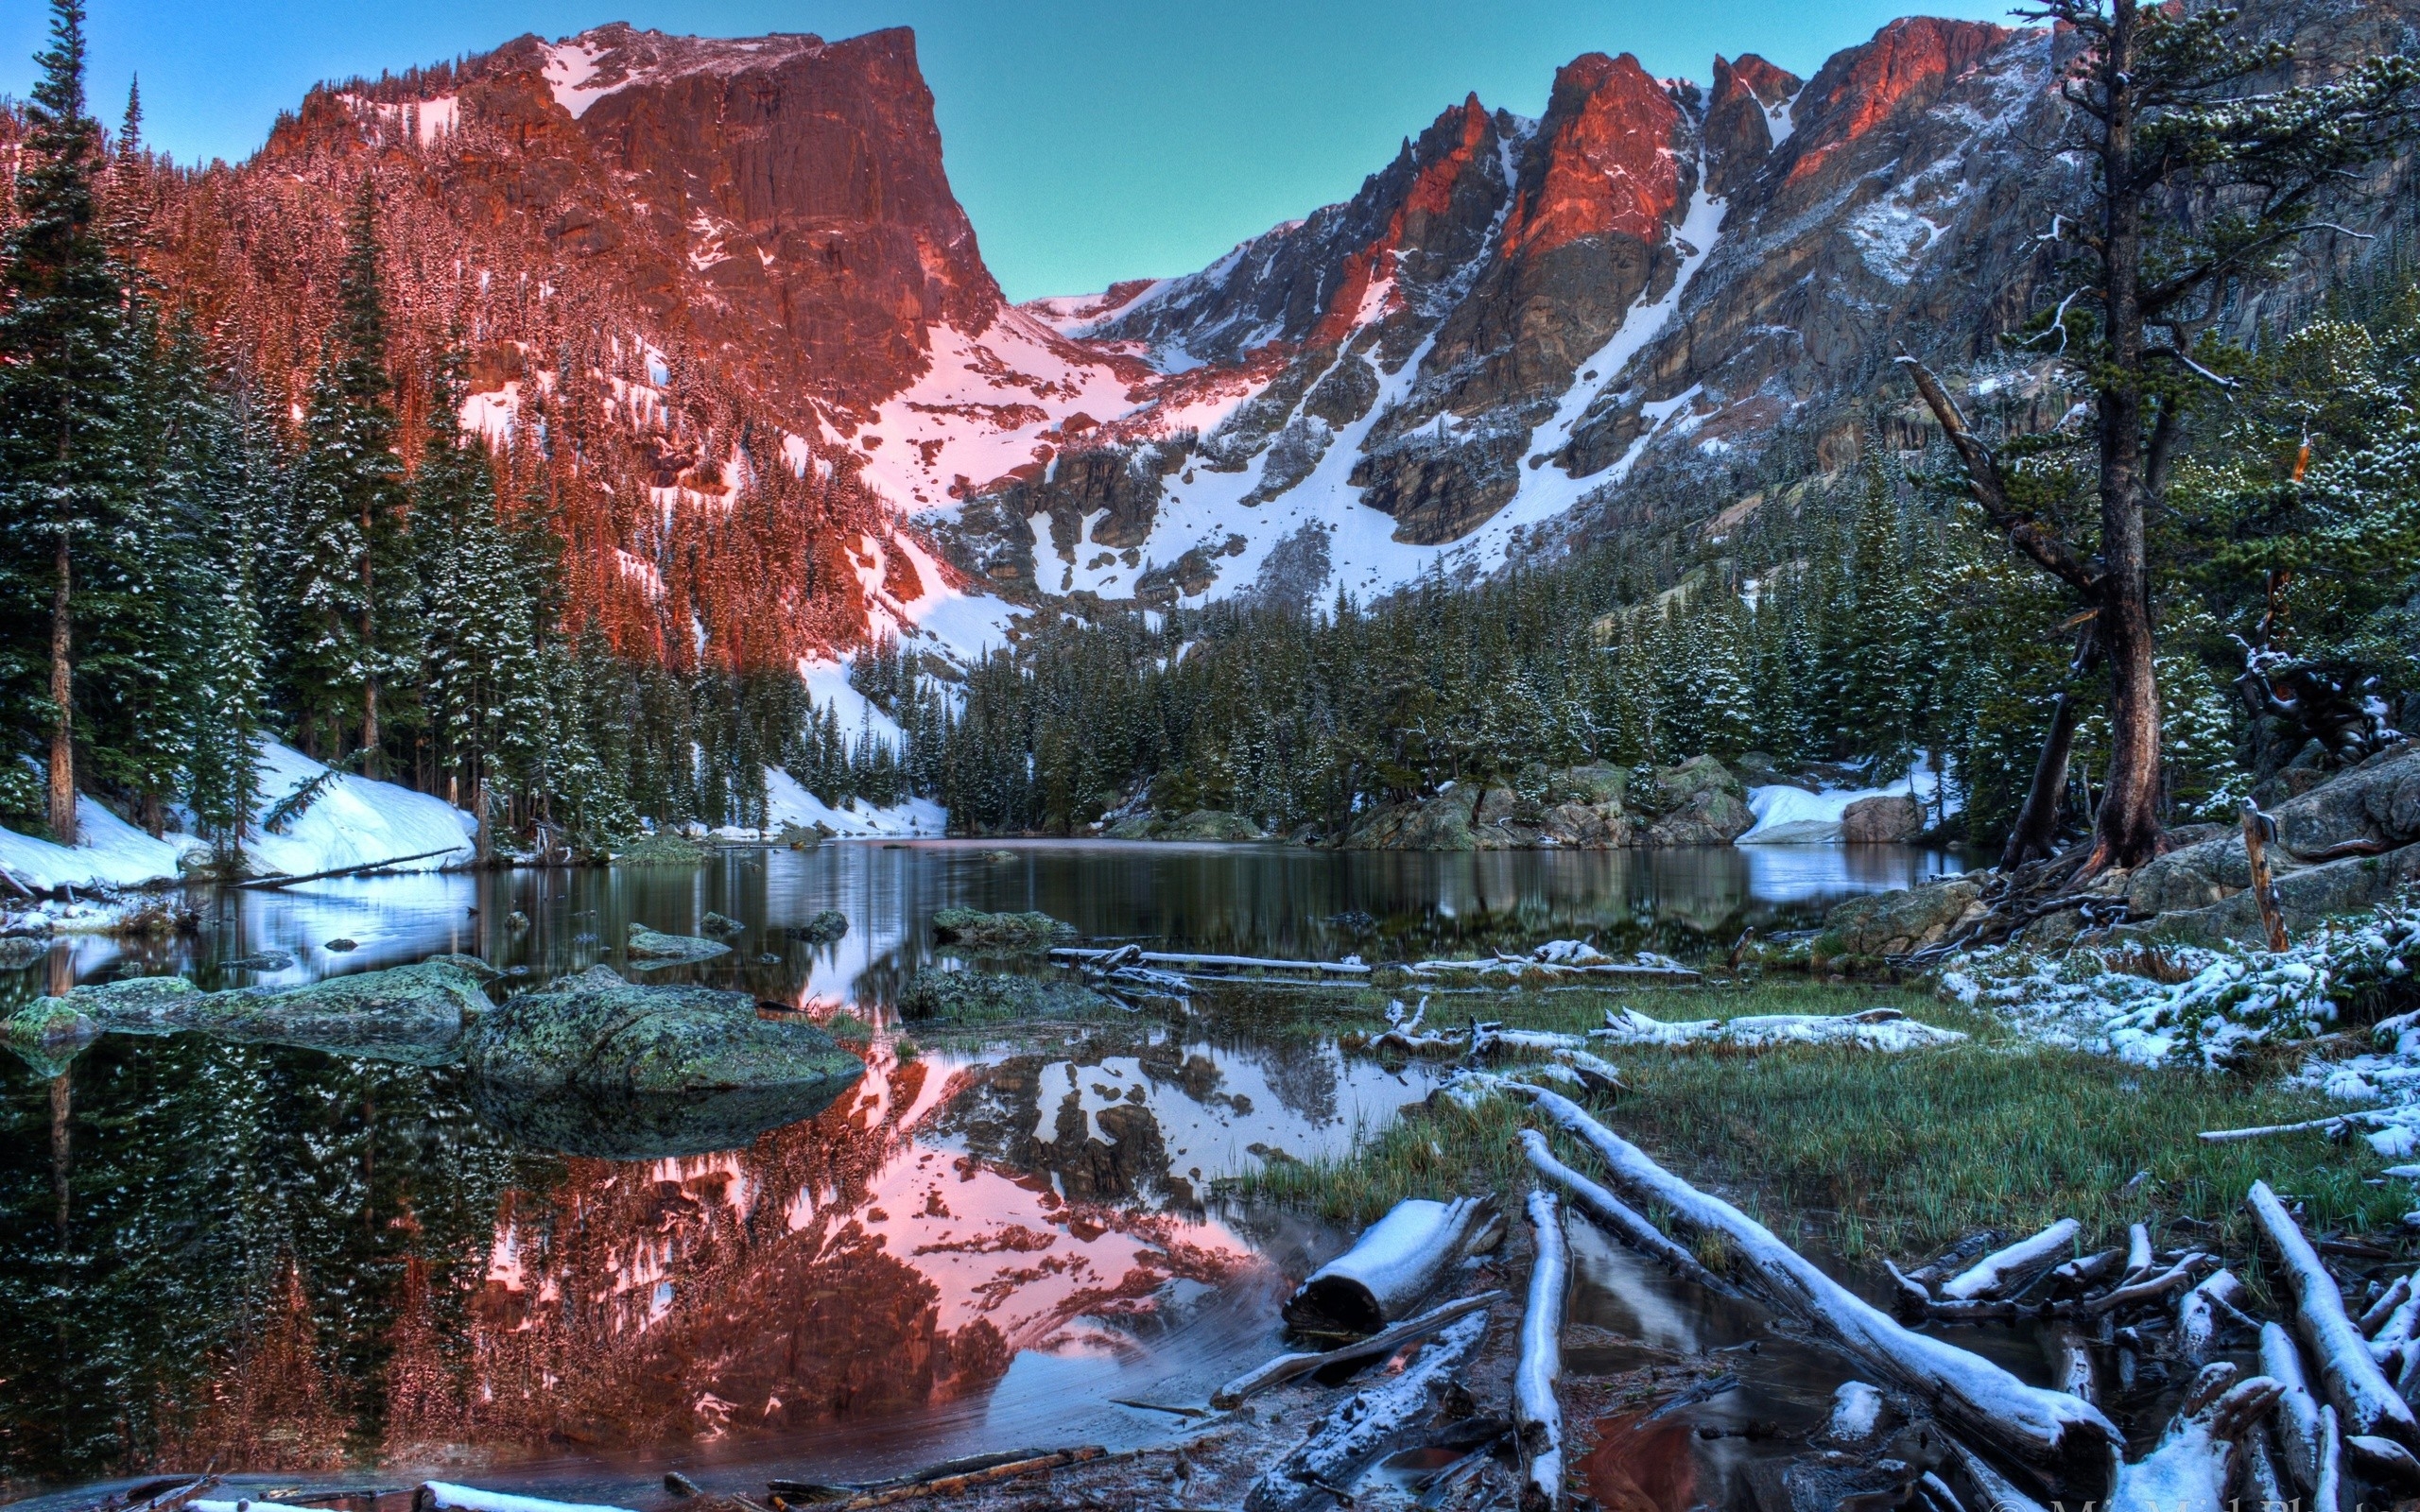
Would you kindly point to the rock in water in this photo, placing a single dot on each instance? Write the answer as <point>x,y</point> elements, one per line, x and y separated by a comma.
<point>990,997</point>
<point>410,1013</point>
<point>1893,923</point>
<point>823,929</point>
<point>1882,821</point>
<point>596,1065</point>
<point>648,949</point>
<point>1000,934</point>
<point>719,926</point>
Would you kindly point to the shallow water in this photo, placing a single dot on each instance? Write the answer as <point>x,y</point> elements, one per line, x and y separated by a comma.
<point>312,1266</point>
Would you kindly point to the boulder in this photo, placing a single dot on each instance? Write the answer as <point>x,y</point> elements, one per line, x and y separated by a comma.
<point>410,1013</point>
<point>595,1065</point>
<point>718,926</point>
<point>1592,785</point>
<point>1587,826</point>
<point>991,997</point>
<point>1440,821</point>
<point>1208,824</point>
<point>1710,816</point>
<point>1895,922</point>
<point>648,949</point>
<point>2305,895</point>
<point>599,1033</point>
<point>1882,821</point>
<point>2376,802</point>
<point>1000,934</point>
<point>823,929</point>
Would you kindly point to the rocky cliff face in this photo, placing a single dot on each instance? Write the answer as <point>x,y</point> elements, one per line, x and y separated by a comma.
<point>720,261</point>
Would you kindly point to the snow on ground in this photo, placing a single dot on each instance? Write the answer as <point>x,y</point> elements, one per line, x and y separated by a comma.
<point>786,802</point>
<point>1792,815</point>
<point>1364,556</point>
<point>353,821</point>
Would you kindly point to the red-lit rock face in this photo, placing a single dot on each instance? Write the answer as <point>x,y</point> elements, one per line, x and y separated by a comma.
<point>1739,119</point>
<point>1903,69</point>
<point>1608,136</point>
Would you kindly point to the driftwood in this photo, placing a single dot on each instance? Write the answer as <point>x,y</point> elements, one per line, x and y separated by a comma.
<point>2384,1307</point>
<point>2138,1254</point>
<point>2229,1136</point>
<point>361,869</point>
<point>440,1496</point>
<point>2071,1367</point>
<point>2298,1427</point>
<point>2365,1400</point>
<point>2088,1271</point>
<point>1626,1224</point>
<point>1396,1264</point>
<point>2200,1311</point>
<point>2189,1469</point>
<point>1366,1425</point>
<point>969,1480</point>
<point>2184,1273</point>
<point>2063,1441</point>
<point>2328,1494</point>
<point>1377,1347</point>
<point>1998,1273</point>
<point>1537,1414</point>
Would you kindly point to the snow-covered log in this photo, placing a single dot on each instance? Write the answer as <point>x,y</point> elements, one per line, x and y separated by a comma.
<point>2055,1437</point>
<point>1986,1488</point>
<point>1396,1264</point>
<point>2328,1494</point>
<point>2184,1273</point>
<point>2200,1311</point>
<point>2189,1470</point>
<point>1625,1223</point>
<point>1366,1425</point>
<point>2384,1307</point>
<point>2384,1462</point>
<point>1996,1274</point>
<point>444,1496</point>
<point>2387,1341</point>
<point>1537,1413</point>
<point>2298,1432</point>
<point>2349,1378</point>
<point>2086,1272</point>
<point>2071,1366</point>
<point>1857,1414</point>
<point>1289,1366</point>
<point>1882,1030</point>
<point>2138,1254</point>
<point>1232,963</point>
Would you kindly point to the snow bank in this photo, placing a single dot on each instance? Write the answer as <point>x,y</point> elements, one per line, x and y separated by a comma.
<point>786,802</point>
<point>1792,815</point>
<point>351,821</point>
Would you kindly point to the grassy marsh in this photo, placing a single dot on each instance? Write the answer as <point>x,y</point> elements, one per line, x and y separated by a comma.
<point>1893,1154</point>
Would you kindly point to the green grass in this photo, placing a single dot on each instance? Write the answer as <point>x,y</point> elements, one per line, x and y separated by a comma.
<point>1899,1153</point>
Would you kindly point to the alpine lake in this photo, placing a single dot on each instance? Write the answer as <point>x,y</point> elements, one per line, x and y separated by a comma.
<point>319,1272</point>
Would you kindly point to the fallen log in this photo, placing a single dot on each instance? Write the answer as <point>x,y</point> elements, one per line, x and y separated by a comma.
<point>2328,1494</point>
<point>1369,1423</point>
<point>360,869</point>
<point>2298,1430</point>
<point>444,1496</point>
<point>2200,1311</point>
<point>2138,1254</point>
<point>1986,1488</point>
<point>1996,1274</point>
<point>1378,1345</point>
<point>1396,1264</point>
<point>2365,1400</point>
<point>2184,1273</point>
<point>2071,1366</point>
<point>1537,1414</point>
<point>2229,1136</point>
<point>1626,1224</point>
<point>969,1480</point>
<point>2187,1472</point>
<point>2384,1307</point>
<point>2088,1271</point>
<point>2061,1440</point>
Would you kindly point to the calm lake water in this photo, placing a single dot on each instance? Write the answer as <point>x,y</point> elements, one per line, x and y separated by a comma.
<point>332,1271</point>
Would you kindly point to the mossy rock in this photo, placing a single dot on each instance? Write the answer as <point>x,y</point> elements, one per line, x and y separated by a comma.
<point>598,1033</point>
<point>1593,784</point>
<point>1000,934</point>
<point>823,929</point>
<point>410,1013</point>
<point>995,997</point>
<point>1861,931</point>
<point>719,926</point>
<point>648,949</point>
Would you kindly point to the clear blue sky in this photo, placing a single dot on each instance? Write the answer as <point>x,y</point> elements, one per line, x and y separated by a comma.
<point>1090,140</point>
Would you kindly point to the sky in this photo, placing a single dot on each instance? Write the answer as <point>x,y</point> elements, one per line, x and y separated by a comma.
<point>1088,141</point>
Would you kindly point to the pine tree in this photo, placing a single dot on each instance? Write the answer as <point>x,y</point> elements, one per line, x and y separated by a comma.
<point>62,391</point>
<point>347,546</point>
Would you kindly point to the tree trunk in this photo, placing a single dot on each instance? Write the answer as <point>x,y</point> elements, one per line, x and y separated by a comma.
<point>370,736</point>
<point>2126,830</point>
<point>62,698</point>
<point>2037,823</point>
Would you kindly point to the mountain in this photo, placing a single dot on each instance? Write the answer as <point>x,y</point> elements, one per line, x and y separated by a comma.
<point>732,276</point>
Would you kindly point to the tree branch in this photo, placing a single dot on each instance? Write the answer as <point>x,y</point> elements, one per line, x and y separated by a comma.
<point>1984,480</point>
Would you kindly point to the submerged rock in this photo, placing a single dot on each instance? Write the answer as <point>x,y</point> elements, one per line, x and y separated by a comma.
<point>410,1013</point>
<point>1000,934</point>
<point>648,949</point>
<point>991,997</point>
